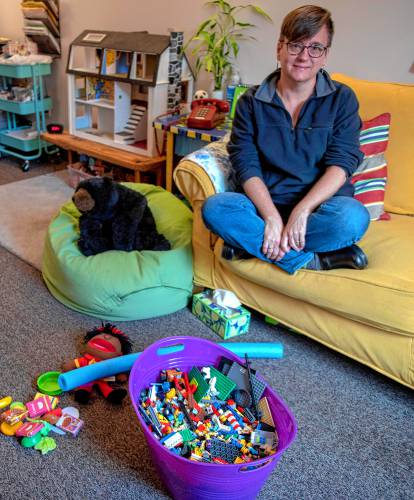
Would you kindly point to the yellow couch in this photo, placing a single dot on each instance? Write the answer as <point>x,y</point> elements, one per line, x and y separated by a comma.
<point>367,315</point>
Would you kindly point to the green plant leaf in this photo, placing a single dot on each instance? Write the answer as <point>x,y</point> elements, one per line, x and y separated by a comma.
<point>235,48</point>
<point>261,12</point>
<point>245,25</point>
<point>218,38</point>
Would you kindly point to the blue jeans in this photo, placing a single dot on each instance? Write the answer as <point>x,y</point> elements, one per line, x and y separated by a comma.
<point>337,223</point>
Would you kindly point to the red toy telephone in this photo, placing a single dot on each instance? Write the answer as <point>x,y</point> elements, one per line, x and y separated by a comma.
<point>207,113</point>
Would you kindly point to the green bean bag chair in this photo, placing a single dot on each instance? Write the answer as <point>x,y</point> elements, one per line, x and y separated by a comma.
<point>117,285</point>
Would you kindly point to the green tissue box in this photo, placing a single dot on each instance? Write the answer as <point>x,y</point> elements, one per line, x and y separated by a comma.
<point>224,321</point>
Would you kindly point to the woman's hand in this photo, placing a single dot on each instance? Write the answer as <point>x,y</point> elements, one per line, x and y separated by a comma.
<point>294,233</point>
<point>272,236</point>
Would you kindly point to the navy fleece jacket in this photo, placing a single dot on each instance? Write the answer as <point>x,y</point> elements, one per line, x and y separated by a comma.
<point>290,159</point>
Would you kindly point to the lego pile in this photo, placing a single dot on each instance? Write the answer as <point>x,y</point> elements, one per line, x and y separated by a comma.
<point>217,415</point>
<point>32,422</point>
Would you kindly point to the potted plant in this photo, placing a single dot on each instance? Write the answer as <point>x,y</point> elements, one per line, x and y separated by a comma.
<point>219,38</point>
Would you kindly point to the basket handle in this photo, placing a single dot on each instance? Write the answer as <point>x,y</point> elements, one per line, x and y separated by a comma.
<point>164,351</point>
<point>251,466</point>
<point>170,345</point>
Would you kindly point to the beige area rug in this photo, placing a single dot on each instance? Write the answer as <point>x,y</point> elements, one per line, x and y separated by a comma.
<point>26,209</point>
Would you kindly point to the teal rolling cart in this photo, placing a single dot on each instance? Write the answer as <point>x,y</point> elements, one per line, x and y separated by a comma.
<point>24,142</point>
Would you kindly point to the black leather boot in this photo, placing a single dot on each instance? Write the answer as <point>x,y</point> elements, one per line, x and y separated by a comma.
<point>351,257</point>
<point>232,253</point>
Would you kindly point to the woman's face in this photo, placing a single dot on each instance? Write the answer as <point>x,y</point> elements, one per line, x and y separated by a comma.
<point>302,67</point>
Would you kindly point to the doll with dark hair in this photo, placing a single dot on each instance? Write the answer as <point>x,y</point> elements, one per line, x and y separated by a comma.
<point>105,342</point>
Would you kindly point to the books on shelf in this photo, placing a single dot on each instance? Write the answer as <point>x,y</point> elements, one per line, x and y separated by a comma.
<point>41,24</point>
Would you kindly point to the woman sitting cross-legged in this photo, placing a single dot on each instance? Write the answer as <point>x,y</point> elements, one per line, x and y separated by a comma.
<point>294,146</point>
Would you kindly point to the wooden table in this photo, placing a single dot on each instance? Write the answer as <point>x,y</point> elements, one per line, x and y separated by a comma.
<point>131,161</point>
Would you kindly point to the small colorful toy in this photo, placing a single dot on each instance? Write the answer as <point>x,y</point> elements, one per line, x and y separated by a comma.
<point>39,406</point>
<point>103,343</point>
<point>47,383</point>
<point>200,94</point>
<point>5,402</point>
<point>29,429</point>
<point>14,415</point>
<point>69,423</point>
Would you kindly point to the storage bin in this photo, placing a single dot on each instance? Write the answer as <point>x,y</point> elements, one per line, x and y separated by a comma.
<point>25,108</point>
<point>190,480</point>
<point>24,70</point>
<point>23,139</point>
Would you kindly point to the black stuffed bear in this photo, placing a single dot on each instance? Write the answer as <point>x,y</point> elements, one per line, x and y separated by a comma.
<point>114,217</point>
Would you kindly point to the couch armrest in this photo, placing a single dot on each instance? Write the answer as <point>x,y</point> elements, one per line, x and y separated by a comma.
<point>200,175</point>
<point>205,172</point>
<point>193,182</point>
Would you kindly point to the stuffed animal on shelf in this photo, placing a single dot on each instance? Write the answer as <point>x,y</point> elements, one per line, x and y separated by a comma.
<point>200,94</point>
<point>105,342</point>
<point>114,217</point>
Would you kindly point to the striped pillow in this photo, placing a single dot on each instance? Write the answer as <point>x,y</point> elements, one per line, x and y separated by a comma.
<point>370,178</point>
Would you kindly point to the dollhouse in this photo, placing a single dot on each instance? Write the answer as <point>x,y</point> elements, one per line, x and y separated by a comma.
<point>119,82</point>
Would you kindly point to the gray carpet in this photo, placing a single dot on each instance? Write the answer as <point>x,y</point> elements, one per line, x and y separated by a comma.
<point>355,427</point>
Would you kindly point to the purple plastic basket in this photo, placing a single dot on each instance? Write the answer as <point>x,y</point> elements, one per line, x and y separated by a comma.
<point>190,480</point>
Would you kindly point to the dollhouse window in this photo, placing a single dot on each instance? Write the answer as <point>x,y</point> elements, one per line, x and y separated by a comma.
<point>116,63</point>
<point>150,66</point>
<point>85,59</point>
<point>94,37</point>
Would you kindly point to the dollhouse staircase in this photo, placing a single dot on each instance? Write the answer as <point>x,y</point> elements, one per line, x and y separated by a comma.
<point>134,128</point>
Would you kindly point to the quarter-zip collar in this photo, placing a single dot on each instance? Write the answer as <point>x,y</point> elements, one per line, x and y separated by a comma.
<point>266,91</point>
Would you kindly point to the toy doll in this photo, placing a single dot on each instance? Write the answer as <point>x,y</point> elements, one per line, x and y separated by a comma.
<point>102,343</point>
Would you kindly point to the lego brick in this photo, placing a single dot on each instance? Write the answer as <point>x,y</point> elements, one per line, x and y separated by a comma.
<point>187,435</point>
<point>226,322</point>
<point>224,385</point>
<point>239,375</point>
<point>266,414</point>
<point>196,377</point>
<point>220,449</point>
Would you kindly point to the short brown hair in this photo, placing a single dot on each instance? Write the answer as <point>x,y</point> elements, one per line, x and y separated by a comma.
<point>304,22</point>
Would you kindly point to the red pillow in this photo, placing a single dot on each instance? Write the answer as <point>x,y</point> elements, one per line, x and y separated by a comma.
<point>370,178</point>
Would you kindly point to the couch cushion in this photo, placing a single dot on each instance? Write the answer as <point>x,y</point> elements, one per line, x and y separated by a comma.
<point>382,295</point>
<point>398,99</point>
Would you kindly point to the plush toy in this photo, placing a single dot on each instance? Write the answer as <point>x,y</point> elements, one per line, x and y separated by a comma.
<point>101,343</point>
<point>200,94</point>
<point>114,217</point>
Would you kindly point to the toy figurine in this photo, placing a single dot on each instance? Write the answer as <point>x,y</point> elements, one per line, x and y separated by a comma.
<point>200,94</point>
<point>102,343</point>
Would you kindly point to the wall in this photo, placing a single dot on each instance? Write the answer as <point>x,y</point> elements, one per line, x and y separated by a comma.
<point>374,38</point>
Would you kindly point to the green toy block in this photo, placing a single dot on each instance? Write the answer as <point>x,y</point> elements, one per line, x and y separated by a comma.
<point>196,377</point>
<point>224,385</point>
<point>187,435</point>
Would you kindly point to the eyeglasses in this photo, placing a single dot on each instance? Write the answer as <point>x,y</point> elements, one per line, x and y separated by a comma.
<point>314,50</point>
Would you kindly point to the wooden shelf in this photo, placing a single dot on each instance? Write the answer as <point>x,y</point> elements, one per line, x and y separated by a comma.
<point>100,103</point>
<point>131,161</point>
